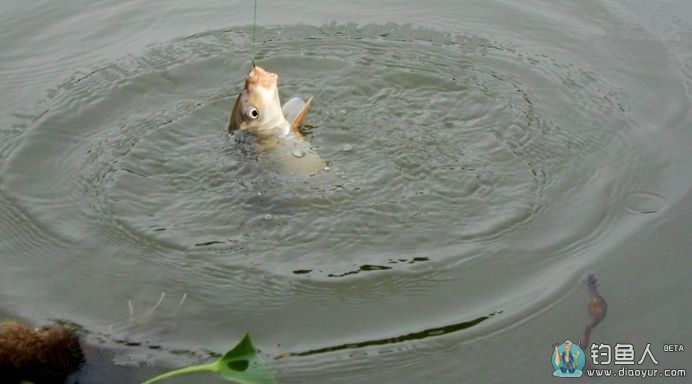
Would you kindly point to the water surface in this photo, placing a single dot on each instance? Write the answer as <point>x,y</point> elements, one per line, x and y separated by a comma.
<point>484,157</point>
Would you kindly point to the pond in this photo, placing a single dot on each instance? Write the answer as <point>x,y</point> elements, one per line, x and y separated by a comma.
<point>484,158</point>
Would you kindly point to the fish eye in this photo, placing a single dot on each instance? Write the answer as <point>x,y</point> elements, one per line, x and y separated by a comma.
<point>251,113</point>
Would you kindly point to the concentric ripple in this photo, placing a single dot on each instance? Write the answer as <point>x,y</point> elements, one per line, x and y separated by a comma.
<point>435,141</point>
<point>466,176</point>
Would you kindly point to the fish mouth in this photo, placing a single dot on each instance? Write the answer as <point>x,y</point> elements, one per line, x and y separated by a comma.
<point>258,77</point>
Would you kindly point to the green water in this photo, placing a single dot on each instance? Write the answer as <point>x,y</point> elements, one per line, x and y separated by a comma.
<point>485,157</point>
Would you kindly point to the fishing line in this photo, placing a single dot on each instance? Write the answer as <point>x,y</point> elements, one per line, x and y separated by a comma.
<point>254,27</point>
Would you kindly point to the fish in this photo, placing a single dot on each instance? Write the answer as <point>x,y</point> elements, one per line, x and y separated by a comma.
<point>275,128</point>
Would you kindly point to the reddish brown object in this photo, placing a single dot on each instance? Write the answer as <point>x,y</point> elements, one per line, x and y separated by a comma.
<point>45,355</point>
<point>597,309</point>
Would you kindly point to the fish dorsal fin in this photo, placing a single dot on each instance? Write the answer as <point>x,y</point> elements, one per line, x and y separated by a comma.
<point>295,111</point>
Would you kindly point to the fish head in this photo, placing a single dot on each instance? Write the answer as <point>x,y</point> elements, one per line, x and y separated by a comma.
<point>257,109</point>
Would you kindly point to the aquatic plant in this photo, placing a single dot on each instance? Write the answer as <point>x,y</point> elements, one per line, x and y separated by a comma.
<point>241,365</point>
<point>46,354</point>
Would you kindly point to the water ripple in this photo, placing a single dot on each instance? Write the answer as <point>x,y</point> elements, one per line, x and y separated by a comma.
<point>452,157</point>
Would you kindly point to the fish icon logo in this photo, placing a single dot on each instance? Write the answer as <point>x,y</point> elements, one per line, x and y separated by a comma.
<point>567,359</point>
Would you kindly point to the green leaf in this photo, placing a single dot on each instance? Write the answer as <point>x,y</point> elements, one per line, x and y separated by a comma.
<point>240,365</point>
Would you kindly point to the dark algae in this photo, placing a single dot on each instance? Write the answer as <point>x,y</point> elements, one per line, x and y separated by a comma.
<point>46,355</point>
